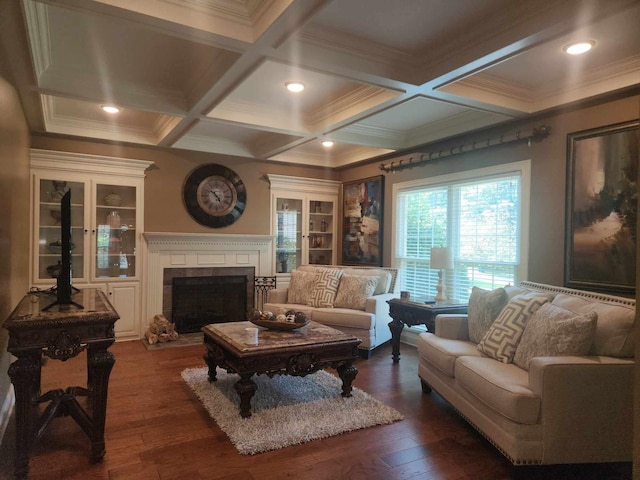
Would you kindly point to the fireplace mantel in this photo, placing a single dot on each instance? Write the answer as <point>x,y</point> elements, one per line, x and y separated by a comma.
<point>193,250</point>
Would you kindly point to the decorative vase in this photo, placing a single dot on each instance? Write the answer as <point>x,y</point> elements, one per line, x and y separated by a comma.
<point>59,189</point>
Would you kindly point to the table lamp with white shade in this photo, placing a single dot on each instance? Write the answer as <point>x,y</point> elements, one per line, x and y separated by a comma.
<point>442,259</point>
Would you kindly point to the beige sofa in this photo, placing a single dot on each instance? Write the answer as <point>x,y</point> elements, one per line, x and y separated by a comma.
<point>356,305</point>
<point>563,409</point>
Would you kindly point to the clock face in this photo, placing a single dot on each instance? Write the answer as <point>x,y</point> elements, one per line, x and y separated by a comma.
<point>214,195</point>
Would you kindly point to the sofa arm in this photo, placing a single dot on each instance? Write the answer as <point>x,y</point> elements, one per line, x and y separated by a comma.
<point>587,407</point>
<point>378,304</point>
<point>277,295</point>
<point>454,326</point>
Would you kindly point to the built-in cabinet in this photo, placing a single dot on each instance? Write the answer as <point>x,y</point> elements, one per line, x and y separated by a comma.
<point>107,221</point>
<point>304,222</point>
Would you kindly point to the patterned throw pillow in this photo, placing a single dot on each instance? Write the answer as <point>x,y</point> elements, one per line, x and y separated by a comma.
<point>553,331</point>
<point>325,287</point>
<point>502,338</point>
<point>300,287</point>
<point>484,307</point>
<point>354,290</point>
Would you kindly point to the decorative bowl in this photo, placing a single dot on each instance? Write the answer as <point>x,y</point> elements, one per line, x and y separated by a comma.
<point>278,325</point>
<point>113,200</point>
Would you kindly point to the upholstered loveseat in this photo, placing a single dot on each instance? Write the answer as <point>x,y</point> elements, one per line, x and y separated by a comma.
<point>549,380</point>
<point>350,299</point>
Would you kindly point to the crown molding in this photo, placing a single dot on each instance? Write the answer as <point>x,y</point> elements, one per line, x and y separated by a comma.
<point>37,20</point>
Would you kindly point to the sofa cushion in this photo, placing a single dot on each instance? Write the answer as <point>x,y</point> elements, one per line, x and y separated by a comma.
<point>502,338</point>
<point>504,387</point>
<point>300,286</point>
<point>354,291</point>
<point>443,352</point>
<point>553,331</point>
<point>484,307</point>
<point>513,290</point>
<point>615,335</point>
<point>325,287</point>
<point>384,277</point>
<point>344,317</point>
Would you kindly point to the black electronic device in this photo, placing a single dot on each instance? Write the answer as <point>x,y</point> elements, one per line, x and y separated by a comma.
<point>64,284</point>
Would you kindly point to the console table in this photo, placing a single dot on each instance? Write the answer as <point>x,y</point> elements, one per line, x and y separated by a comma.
<point>60,333</point>
<point>405,312</point>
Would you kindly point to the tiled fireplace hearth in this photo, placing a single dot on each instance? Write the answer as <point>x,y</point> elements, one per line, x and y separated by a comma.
<point>199,255</point>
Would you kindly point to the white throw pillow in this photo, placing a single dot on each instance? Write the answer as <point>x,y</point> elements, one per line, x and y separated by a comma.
<point>484,307</point>
<point>552,331</point>
<point>325,287</point>
<point>300,287</point>
<point>502,338</point>
<point>354,291</point>
<point>384,277</point>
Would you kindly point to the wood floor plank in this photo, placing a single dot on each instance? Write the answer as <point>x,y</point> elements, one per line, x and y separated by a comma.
<point>158,430</point>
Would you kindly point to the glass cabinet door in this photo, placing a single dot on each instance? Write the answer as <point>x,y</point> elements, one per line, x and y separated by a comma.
<point>288,234</point>
<point>115,231</point>
<point>321,239</point>
<point>48,261</point>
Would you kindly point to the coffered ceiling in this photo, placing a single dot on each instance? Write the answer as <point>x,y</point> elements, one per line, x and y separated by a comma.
<point>380,75</point>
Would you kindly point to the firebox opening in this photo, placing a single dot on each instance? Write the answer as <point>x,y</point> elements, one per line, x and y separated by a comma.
<point>199,301</point>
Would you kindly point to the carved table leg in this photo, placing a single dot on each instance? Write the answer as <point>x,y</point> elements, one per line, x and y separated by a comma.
<point>347,373</point>
<point>99,365</point>
<point>396,327</point>
<point>246,388</point>
<point>25,376</point>
<point>210,360</point>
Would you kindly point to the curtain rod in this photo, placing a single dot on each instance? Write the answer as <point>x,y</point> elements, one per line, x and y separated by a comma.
<point>537,135</point>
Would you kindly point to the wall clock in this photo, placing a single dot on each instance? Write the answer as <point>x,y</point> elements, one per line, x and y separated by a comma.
<point>214,195</point>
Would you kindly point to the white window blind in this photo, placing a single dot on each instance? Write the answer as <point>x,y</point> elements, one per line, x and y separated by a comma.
<point>479,217</point>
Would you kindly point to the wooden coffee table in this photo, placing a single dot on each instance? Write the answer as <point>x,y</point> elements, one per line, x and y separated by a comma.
<point>297,352</point>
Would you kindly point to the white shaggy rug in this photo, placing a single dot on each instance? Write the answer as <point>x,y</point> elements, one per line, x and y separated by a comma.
<point>286,410</point>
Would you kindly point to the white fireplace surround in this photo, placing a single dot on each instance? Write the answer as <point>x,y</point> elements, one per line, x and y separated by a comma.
<point>193,250</point>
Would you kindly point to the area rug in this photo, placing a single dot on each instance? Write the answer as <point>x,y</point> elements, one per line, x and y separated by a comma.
<point>286,410</point>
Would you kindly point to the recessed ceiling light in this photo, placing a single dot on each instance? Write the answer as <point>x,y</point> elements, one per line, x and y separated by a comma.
<point>327,143</point>
<point>294,87</point>
<point>578,48</point>
<point>110,108</point>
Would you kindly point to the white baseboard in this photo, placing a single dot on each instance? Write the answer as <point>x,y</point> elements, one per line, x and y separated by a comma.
<point>5,413</point>
<point>409,336</point>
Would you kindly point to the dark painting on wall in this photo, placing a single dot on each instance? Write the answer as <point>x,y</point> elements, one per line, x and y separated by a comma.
<point>362,216</point>
<point>601,211</point>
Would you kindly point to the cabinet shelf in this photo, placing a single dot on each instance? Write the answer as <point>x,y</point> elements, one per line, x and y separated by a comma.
<point>113,207</point>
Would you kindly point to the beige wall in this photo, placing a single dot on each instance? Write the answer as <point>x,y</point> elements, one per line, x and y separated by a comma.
<point>164,207</point>
<point>14,227</point>
<point>548,177</point>
<point>165,211</point>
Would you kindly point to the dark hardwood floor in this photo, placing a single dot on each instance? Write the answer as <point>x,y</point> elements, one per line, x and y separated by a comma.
<point>157,429</point>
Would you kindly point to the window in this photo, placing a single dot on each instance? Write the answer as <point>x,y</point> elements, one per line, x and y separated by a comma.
<point>482,215</point>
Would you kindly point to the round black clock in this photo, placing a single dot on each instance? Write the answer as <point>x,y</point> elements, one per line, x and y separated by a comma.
<point>214,195</point>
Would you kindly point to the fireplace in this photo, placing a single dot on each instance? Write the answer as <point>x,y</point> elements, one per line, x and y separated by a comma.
<point>195,297</point>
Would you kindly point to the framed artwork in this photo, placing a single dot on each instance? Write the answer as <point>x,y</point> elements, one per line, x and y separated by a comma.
<point>601,209</point>
<point>362,215</point>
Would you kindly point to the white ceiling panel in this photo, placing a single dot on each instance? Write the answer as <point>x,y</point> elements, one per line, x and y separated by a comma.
<point>380,76</point>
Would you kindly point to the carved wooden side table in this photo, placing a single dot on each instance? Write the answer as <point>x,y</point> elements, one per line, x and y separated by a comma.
<point>60,333</point>
<point>406,312</point>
